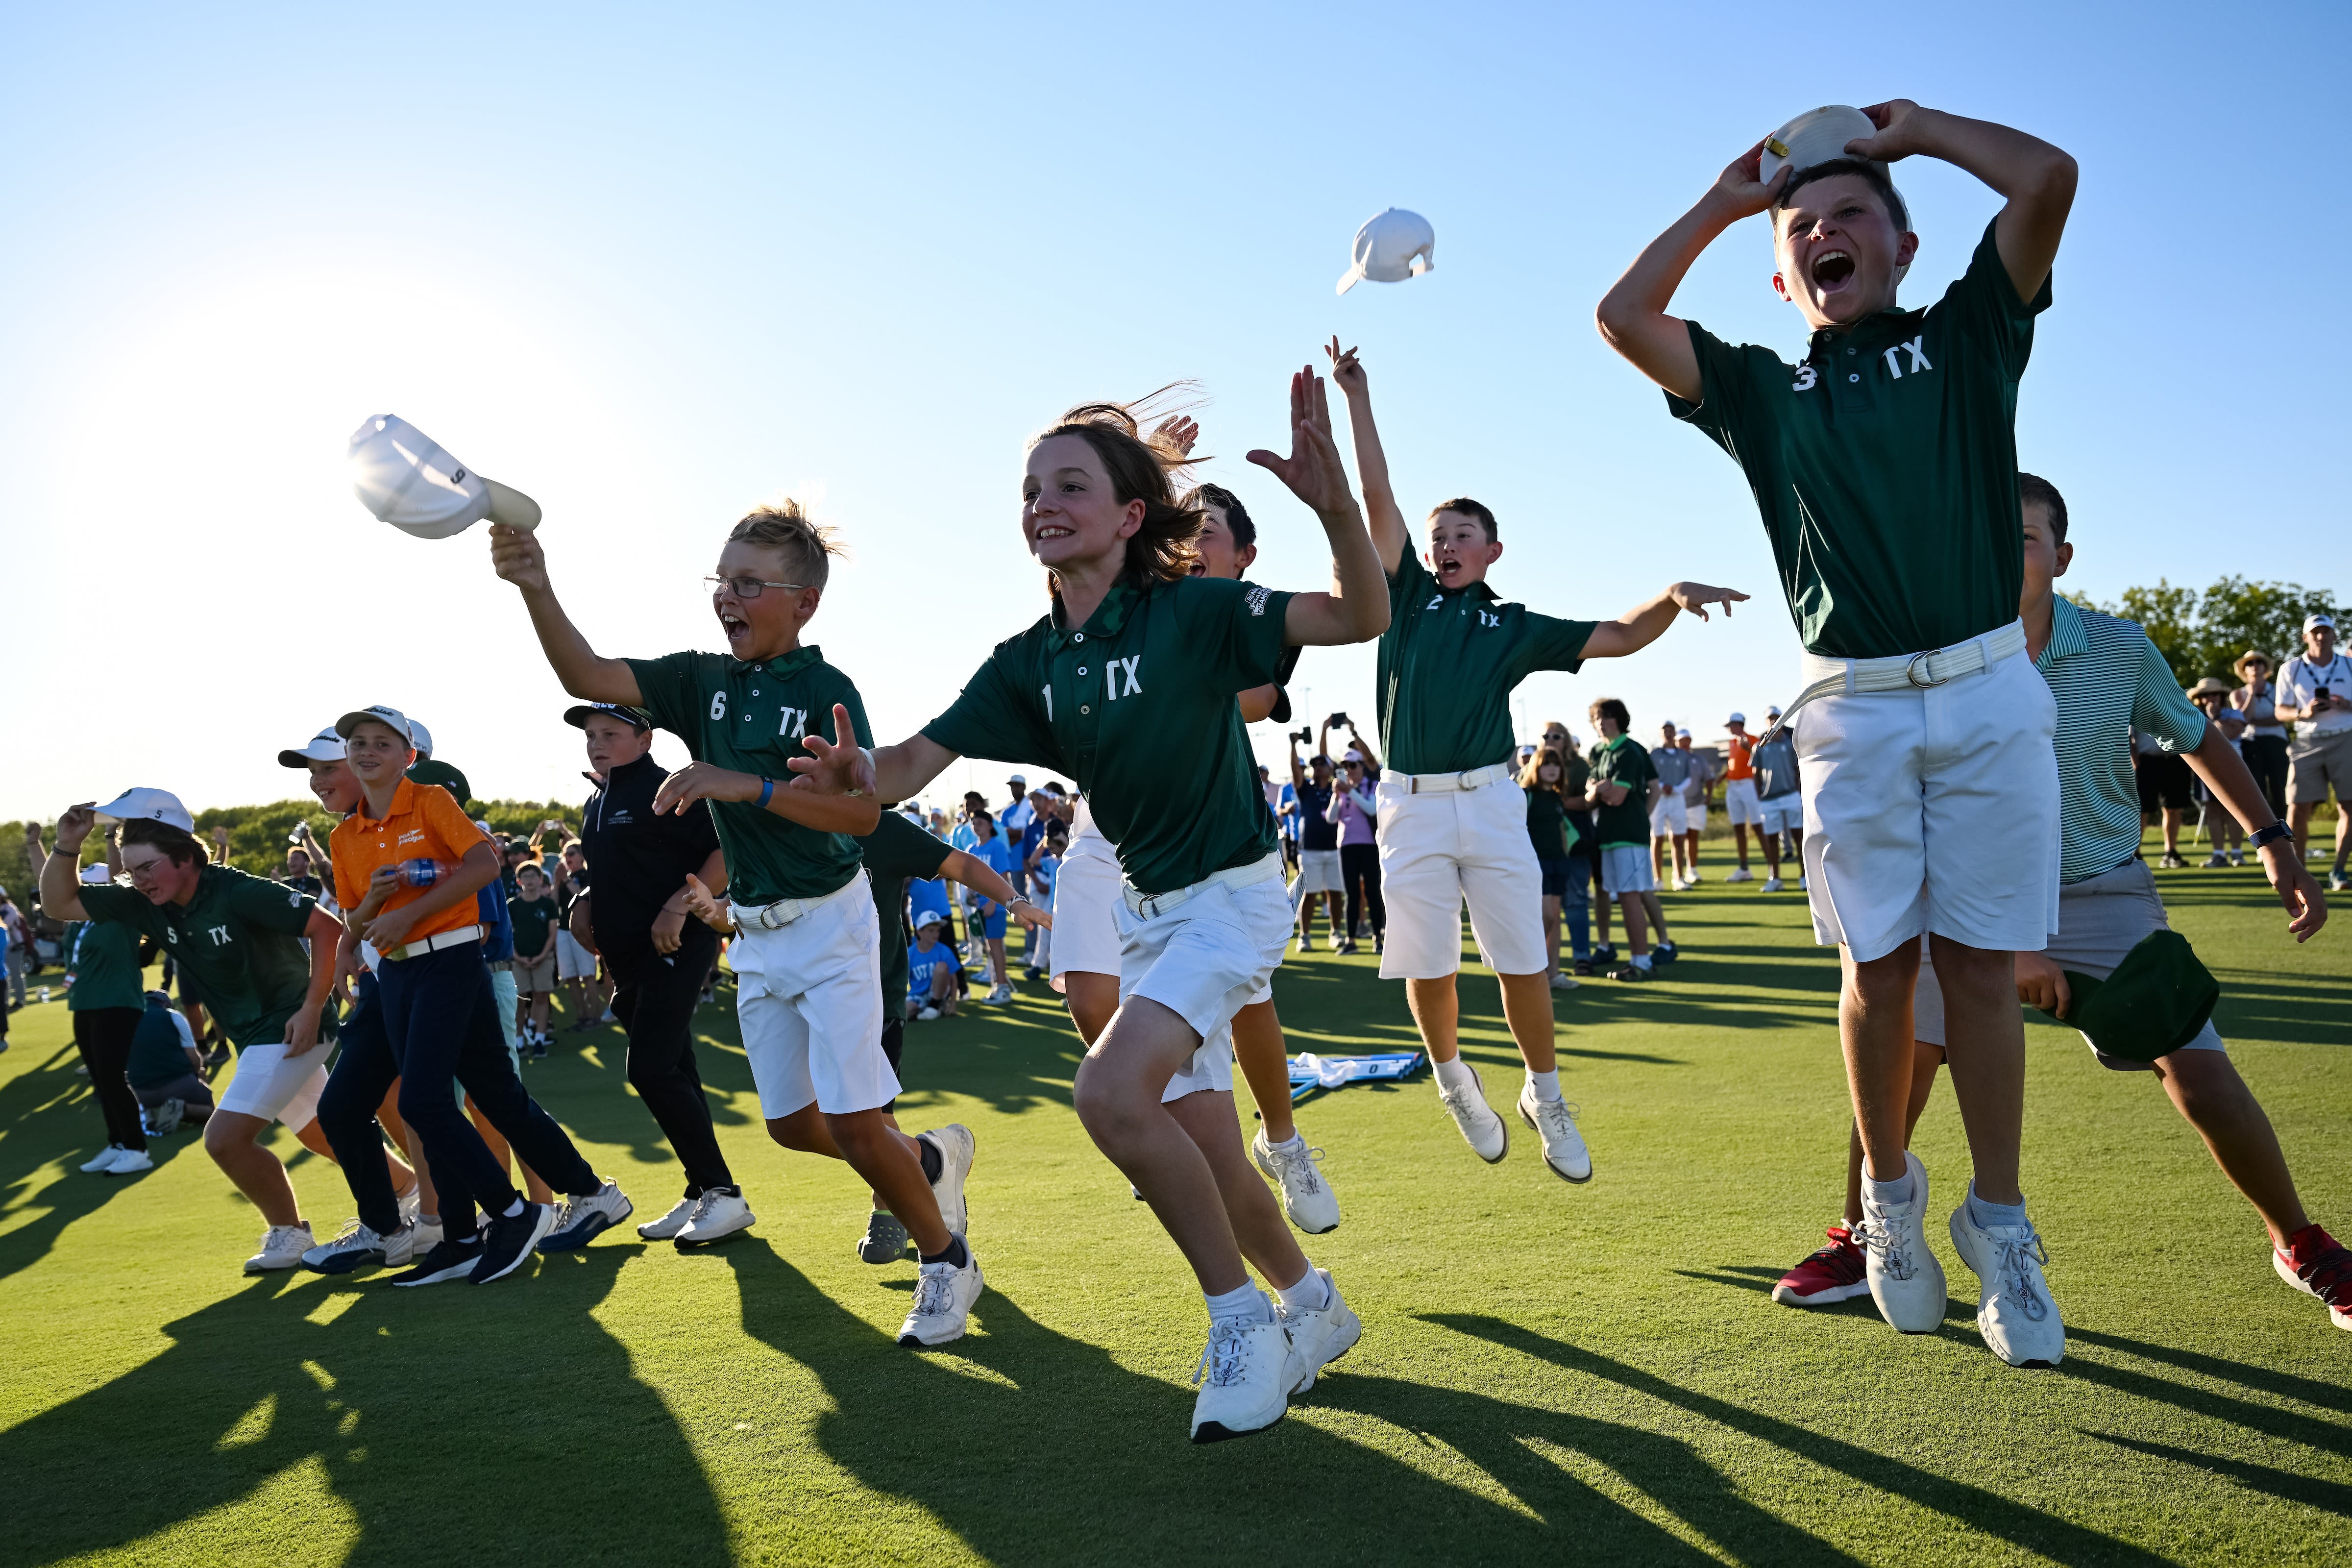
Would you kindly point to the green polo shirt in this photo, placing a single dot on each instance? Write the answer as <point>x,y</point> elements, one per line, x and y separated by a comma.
<point>896,850</point>
<point>1137,706</point>
<point>2108,681</point>
<point>752,719</point>
<point>104,958</point>
<point>532,918</point>
<point>1886,463</point>
<point>1448,664</point>
<point>1622,760</point>
<point>236,944</point>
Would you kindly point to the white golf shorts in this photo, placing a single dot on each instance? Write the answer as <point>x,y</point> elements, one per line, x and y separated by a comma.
<point>1445,849</point>
<point>1669,817</point>
<point>1932,810</point>
<point>1740,804</point>
<point>1085,921</point>
<point>269,1083</point>
<point>1783,813</point>
<point>809,997</point>
<point>1625,868</point>
<point>1211,954</point>
<point>573,962</point>
<point>1318,872</point>
<point>1695,816</point>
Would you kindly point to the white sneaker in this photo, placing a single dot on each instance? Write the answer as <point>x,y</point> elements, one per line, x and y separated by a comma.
<point>412,1201</point>
<point>998,997</point>
<point>680,1216</point>
<point>1241,1378</point>
<point>354,1247</point>
<point>105,1161</point>
<point>1906,1280</point>
<point>1696,877</point>
<point>1306,945</point>
<point>2015,1315</point>
<point>1307,1199</point>
<point>1563,981</point>
<point>927,1015</point>
<point>1319,1338</point>
<point>582,1218</point>
<point>412,1241</point>
<point>1773,884</point>
<point>2217,858</point>
<point>1555,1124</point>
<point>943,1299</point>
<point>282,1246</point>
<point>1481,1128</point>
<point>1741,875</point>
<point>129,1163</point>
<point>716,1215</point>
<point>2338,882</point>
<point>955,1146</point>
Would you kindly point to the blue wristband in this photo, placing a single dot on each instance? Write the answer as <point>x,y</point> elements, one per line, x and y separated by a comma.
<point>767,791</point>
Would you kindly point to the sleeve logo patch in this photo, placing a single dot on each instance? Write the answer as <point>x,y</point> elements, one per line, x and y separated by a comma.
<point>1257,598</point>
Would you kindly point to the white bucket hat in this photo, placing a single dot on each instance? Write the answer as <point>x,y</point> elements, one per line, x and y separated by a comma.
<point>154,804</point>
<point>1392,248</point>
<point>403,476</point>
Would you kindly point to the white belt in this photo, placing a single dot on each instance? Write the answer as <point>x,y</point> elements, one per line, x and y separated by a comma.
<point>424,946</point>
<point>1477,778</point>
<point>1908,671</point>
<point>784,911</point>
<point>1152,906</point>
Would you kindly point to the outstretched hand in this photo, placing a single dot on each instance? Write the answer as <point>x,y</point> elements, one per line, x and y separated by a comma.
<point>1893,138</point>
<point>1741,187</point>
<point>1313,470</point>
<point>715,912</point>
<point>838,766</point>
<point>1695,596</point>
<point>1347,369</point>
<point>1178,431</point>
<point>516,556</point>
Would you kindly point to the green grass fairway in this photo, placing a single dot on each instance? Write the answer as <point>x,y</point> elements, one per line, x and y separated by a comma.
<point>1548,1374</point>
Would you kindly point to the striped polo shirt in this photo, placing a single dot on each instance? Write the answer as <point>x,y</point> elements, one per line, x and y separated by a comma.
<point>2109,680</point>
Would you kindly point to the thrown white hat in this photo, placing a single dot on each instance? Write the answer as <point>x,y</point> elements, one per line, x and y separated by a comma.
<point>152,805</point>
<point>403,476</point>
<point>97,876</point>
<point>1390,247</point>
<point>326,746</point>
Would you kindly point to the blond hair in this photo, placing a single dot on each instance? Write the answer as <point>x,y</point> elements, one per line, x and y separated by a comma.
<point>805,547</point>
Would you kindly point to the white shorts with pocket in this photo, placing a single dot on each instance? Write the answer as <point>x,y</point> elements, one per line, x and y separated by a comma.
<point>269,1083</point>
<point>1204,960</point>
<point>573,962</point>
<point>1695,816</point>
<point>1086,918</point>
<point>1668,816</point>
<point>1740,804</point>
<point>1783,813</point>
<point>808,995</point>
<point>1318,872</point>
<point>1932,810</point>
<point>1625,868</point>
<point>1442,849</point>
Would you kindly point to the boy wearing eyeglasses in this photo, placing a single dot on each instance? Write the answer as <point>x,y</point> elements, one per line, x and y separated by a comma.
<point>807,959</point>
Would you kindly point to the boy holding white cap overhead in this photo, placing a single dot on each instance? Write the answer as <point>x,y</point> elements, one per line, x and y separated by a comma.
<point>1885,464</point>
<point>1452,821</point>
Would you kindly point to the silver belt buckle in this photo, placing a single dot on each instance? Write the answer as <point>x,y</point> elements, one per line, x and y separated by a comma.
<point>1147,906</point>
<point>1462,781</point>
<point>1911,670</point>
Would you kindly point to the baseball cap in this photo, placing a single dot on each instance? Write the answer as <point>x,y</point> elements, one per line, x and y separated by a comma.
<point>391,718</point>
<point>326,746</point>
<point>929,918</point>
<point>2317,618</point>
<point>1390,247</point>
<point>1737,719</point>
<point>152,805</point>
<point>1016,778</point>
<point>1818,136</point>
<point>421,738</point>
<point>430,772</point>
<point>97,876</point>
<point>577,717</point>
<point>1772,713</point>
<point>1682,734</point>
<point>406,479</point>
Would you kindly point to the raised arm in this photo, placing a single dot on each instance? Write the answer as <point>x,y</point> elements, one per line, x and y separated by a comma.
<point>1638,627</point>
<point>61,870</point>
<point>1357,608</point>
<point>1632,316</point>
<point>852,809</point>
<point>1371,758</point>
<point>1390,537</point>
<point>2037,178</point>
<point>517,556</point>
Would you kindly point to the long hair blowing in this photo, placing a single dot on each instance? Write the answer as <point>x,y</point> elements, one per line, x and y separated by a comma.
<point>1141,468</point>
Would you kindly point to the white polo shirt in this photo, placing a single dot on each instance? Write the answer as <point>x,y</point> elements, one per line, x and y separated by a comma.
<point>2299,679</point>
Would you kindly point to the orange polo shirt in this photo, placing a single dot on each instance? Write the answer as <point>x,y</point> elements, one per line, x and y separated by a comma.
<point>426,822</point>
<point>1741,750</point>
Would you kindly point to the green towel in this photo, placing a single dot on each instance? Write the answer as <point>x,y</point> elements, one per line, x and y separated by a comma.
<point>2155,1003</point>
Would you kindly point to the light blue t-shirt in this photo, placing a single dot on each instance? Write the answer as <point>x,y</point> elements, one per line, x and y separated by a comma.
<point>920,965</point>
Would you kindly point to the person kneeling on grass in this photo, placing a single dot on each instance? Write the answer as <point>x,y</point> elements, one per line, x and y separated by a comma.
<point>166,1070</point>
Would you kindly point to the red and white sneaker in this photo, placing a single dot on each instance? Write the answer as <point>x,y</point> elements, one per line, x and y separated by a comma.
<point>1838,1272</point>
<point>2317,1265</point>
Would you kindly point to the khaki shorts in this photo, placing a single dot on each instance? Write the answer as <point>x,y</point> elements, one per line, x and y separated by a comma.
<point>2313,762</point>
<point>535,976</point>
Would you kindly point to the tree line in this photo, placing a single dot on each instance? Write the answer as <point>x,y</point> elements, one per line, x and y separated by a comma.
<point>2206,633</point>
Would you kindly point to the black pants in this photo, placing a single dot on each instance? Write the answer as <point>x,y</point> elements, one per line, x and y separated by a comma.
<point>2266,760</point>
<point>654,997</point>
<point>103,1036</point>
<point>363,1074</point>
<point>1360,873</point>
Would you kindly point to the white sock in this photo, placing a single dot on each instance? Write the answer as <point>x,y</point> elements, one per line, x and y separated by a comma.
<point>1640,961</point>
<point>1245,1301</point>
<point>1546,1084</point>
<point>1307,1294</point>
<point>1892,1194</point>
<point>1457,1074</point>
<point>1985,1216</point>
<point>1295,1140</point>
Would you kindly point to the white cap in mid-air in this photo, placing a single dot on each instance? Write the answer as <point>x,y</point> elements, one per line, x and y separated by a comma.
<point>1392,248</point>
<point>403,476</point>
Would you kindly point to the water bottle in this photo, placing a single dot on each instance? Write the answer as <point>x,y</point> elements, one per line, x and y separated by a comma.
<point>45,993</point>
<point>422,872</point>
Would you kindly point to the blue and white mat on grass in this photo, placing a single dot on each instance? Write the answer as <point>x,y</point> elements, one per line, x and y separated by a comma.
<point>1309,1072</point>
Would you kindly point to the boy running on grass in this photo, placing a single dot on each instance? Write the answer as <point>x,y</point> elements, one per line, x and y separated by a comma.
<point>2109,680</point>
<point>1453,824</point>
<point>807,961</point>
<point>1885,467</point>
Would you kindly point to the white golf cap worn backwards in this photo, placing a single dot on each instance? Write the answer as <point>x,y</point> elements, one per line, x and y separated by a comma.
<point>148,805</point>
<point>403,476</point>
<point>326,746</point>
<point>1392,248</point>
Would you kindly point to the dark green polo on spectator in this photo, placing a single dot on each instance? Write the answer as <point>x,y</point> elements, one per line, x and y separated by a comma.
<point>235,944</point>
<point>1138,706</point>
<point>1622,760</point>
<point>896,850</point>
<point>1886,463</point>
<point>104,959</point>
<point>753,718</point>
<point>1448,664</point>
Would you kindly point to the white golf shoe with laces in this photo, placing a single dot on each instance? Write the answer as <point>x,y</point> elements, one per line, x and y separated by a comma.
<point>1306,1197</point>
<point>1906,1280</point>
<point>2015,1313</point>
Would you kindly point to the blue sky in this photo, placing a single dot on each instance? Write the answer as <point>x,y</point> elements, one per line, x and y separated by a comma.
<point>652,267</point>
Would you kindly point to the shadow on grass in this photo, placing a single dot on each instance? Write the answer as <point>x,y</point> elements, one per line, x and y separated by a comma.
<point>2331,1497</point>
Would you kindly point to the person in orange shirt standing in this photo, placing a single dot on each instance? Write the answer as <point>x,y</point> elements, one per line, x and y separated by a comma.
<point>407,866</point>
<point>1739,802</point>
